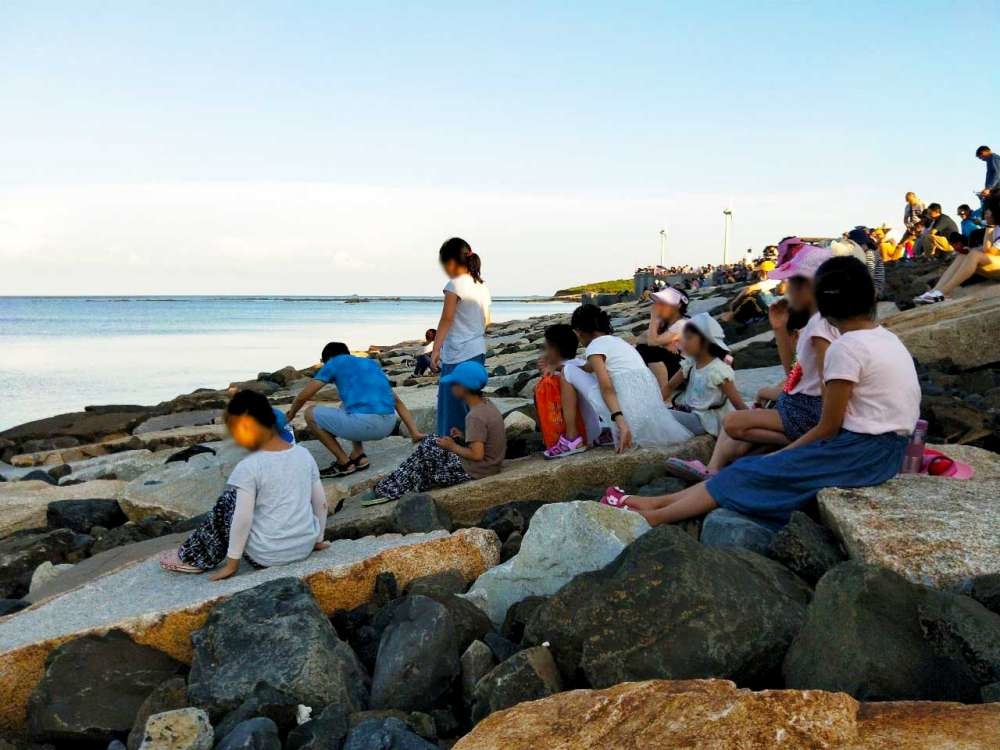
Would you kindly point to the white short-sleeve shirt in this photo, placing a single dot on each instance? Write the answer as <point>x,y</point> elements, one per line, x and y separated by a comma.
<point>467,336</point>
<point>886,395</point>
<point>619,355</point>
<point>805,354</point>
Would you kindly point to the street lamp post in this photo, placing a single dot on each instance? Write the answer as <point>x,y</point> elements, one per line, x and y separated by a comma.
<point>727,219</point>
<point>663,247</point>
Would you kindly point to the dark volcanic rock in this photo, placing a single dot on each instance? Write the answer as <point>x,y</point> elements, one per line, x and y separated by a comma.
<point>986,591</point>
<point>253,734</point>
<point>419,513</point>
<point>389,734</point>
<point>167,696</point>
<point>326,729</point>
<point>501,647</point>
<point>437,584</point>
<point>418,656</point>
<point>39,475</point>
<point>727,528</point>
<point>93,688</point>
<point>518,616</point>
<point>873,634</point>
<point>527,676</point>
<point>274,634</point>
<point>24,551</point>
<point>83,515</point>
<point>670,608</point>
<point>806,548</point>
<point>510,517</point>
<point>10,606</point>
<point>511,546</point>
<point>60,471</point>
<point>276,705</point>
<point>80,427</point>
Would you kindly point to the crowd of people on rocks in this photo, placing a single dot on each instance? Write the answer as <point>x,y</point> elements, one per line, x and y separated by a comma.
<point>844,414</point>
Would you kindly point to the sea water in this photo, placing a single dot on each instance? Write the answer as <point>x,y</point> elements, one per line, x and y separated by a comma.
<point>59,354</point>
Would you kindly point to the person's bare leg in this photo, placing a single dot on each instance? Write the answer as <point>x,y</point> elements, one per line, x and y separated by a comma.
<point>357,448</point>
<point>328,440</point>
<point>727,449</point>
<point>656,501</point>
<point>693,502</point>
<point>763,436</point>
<point>569,408</point>
<point>964,269</point>
<point>659,370</point>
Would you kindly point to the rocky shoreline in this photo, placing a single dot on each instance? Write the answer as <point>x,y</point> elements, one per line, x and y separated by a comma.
<point>513,612</point>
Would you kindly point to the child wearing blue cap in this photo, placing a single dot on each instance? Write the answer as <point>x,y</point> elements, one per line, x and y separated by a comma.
<point>440,461</point>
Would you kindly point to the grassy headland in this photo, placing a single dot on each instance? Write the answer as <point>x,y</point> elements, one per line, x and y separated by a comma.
<point>614,286</point>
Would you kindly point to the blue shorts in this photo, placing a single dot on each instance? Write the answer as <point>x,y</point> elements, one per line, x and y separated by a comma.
<point>356,427</point>
<point>799,413</point>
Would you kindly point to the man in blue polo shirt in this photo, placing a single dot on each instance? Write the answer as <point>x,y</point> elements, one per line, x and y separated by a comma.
<point>368,408</point>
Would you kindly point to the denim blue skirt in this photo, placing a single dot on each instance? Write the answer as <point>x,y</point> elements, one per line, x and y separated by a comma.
<point>770,487</point>
<point>799,413</point>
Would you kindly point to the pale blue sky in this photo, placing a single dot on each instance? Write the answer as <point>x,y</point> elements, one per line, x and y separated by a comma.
<point>302,147</point>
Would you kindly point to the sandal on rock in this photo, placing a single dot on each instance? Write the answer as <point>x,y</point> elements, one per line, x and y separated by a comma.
<point>690,471</point>
<point>358,466</point>
<point>370,498</point>
<point>615,497</point>
<point>338,470</point>
<point>171,561</point>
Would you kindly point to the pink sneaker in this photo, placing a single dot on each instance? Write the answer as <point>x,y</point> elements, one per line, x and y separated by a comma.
<point>564,447</point>
<point>692,471</point>
<point>615,497</point>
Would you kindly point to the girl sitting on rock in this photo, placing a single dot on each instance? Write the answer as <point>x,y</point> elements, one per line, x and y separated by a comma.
<point>445,461</point>
<point>662,349</point>
<point>624,392</point>
<point>800,403</point>
<point>708,380</point>
<point>273,509</point>
<point>871,403</point>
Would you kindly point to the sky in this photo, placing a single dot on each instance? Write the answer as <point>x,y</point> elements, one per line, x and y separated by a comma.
<point>329,148</point>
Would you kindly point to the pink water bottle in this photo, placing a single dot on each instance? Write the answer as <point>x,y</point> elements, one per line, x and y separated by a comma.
<point>913,459</point>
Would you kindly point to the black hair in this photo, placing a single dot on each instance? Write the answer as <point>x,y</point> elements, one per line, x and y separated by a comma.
<point>563,338</point>
<point>844,289</point>
<point>714,349</point>
<point>797,320</point>
<point>253,404</point>
<point>964,207</point>
<point>982,150</point>
<point>460,251</point>
<point>977,237</point>
<point>333,349</point>
<point>430,334</point>
<point>956,238</point>
<point>591,319</point>
<point>934,207</point>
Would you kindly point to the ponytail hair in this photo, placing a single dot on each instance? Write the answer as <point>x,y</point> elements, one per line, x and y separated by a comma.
<point>591,319</point>
<point>458,250</point>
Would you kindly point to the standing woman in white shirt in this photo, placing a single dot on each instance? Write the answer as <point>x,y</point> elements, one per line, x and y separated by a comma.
<point>461,332</point>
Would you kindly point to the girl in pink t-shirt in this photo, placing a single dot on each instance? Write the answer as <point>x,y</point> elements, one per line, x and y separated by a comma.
<point>871,403</point>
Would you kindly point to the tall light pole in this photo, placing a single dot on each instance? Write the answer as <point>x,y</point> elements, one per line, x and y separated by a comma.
<point>663,246</point>
<point>727,219</point>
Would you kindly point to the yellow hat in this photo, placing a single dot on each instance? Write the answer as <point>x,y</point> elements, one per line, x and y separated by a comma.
<point>767,266</point>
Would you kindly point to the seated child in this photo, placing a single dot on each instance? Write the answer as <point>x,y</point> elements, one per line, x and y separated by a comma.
<point>423,364</point>
<point>661,350</point>
<point>443,461</point>
<point>368,408</point>
<point>799,405</point>
<point>709,381</point>
<point>273,510</point>
<point>559,361</point>
<point>623,393</point>
<point>871,404</point>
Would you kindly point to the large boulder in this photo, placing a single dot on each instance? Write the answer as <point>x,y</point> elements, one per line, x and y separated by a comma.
<point>418,514</point>
<point>24,505</point>
<point>418,656</point>
<point>716,714</point>
<point>806,548</point>
<point>564,540</point>
<point>163,609</point>
<point>669,607</point>
<point>871,633</point>
<point>181,729</point>
<point>932,530</point>
<point>253,734</point>
<point>167,696</point>
<point>93,688</point>
<point>526,676</point>
<point>274,634</point>
<point>84,514</point>
<point>21,554</point>
<point>727,528</point>
<point>385,734</point>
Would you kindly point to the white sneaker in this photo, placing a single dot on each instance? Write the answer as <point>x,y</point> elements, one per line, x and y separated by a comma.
<point>929,297</point>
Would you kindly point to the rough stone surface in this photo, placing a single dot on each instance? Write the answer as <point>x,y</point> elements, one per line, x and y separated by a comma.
<point>266,701</point>
<point>126,465</point>
<point>932,530</point>
<point>445,582</point>
<point>806,548</point>
<point>688,611</point>
<point>986,591</point>
<point>24,505</point>
<point>274,634</point>
<point>716,714</point>
<point>93,688</point>
<point>178,419</point>
<point>873,634</point>
<point>418,656</point>
<point>182,729</point>
<point>253,734</point>
<point>386,734</point>
<point>419,513</point>
<point>21,554</point>
<point>167,696</point>
<point>326,729</point>
<point>82,515</point>
<point>564,540</point>
<point>162,609</point>
<point>526,676</point>
<point>727,528</point>
<point>477,661</point>
<point>45,573</point>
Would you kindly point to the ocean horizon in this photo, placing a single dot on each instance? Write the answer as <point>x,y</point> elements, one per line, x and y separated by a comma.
<point>62,353</point>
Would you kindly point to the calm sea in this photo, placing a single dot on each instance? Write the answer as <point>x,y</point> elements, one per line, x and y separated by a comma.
<point>59,354</point>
